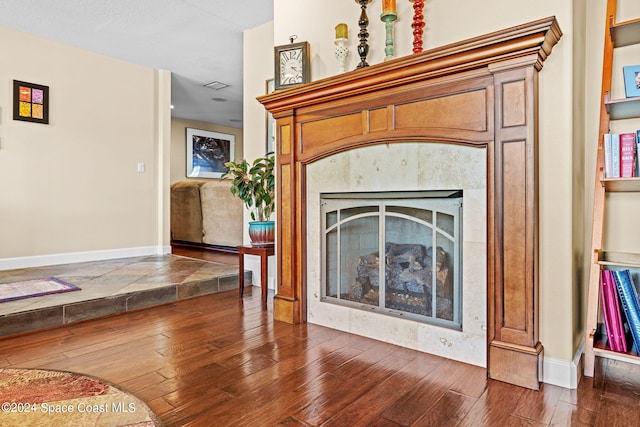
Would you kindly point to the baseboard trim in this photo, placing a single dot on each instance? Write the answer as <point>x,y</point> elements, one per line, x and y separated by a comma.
<point>73,257</point>
<point>563,373</point>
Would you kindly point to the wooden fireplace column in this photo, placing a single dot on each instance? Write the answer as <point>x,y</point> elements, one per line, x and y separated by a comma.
<point>480,92</point>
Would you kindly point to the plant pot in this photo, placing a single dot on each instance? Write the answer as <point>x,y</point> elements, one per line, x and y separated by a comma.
<point>262,233</point>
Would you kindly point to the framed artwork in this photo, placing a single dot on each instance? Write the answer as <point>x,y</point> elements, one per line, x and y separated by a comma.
<point>631,80</point>
<point>207,153</point>
<point>30,102</point>
<point>271,123</point>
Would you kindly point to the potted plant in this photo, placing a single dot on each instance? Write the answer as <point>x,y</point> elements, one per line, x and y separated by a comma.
<point>254,184</point>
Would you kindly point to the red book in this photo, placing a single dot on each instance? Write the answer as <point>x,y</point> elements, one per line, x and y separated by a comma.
<point>627,150</point>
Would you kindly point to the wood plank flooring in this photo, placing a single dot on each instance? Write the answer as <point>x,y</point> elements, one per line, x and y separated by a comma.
<point>217,360</point>
<point>206,254</point>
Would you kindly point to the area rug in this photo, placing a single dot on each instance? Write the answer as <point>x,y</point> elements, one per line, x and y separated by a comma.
<point>36,397</point>
<point>34,288</point>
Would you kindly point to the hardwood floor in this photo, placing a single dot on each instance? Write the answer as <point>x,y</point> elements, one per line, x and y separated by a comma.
<point>206,254</point>
<point>217,360</point>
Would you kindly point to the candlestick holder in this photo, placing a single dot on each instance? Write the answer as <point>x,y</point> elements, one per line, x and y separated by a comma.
<point>417,25</point>
<point>363,22</point>
<point>341,54</point>
<point>388,18</point>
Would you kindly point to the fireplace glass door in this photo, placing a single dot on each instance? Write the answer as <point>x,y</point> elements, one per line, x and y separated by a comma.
<point>394,253</point>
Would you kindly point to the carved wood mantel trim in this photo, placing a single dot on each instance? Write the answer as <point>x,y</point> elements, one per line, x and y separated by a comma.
<point>478,92</point>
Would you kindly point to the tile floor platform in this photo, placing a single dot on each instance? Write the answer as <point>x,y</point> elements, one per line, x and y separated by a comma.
<point>111,287</point>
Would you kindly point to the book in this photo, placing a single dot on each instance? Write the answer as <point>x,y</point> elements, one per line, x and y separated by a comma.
<point>615,155</point>
<point>611,312</point>
<point>637,153</point>
<point>608,162</point>
<point>627,151</point>
<point>629,302</point>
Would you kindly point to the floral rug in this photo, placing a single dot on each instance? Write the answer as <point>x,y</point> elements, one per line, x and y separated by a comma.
<point>34,288</point>
<point>35,397</point>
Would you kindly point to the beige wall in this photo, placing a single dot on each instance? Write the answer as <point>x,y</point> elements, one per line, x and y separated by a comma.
<point>178,144</point>
<point>258,68</point>
<point>579,230</point>
<point>560,130</point>
<point>72,187</point>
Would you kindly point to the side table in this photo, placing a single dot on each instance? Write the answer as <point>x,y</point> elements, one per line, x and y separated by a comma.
<point>263,252</point>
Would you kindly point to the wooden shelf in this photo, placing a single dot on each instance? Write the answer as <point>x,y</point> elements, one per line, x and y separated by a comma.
<point>619,259</point>
<point>625,33</point>
<point>621,185</point>
<point>602,350</point>
<point>626,108</point>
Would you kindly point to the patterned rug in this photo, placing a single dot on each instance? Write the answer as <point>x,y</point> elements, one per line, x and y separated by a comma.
<point>35,397</point>
<point>34,288</point>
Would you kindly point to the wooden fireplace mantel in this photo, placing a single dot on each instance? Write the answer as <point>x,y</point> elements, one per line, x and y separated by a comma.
<point>479,92</point>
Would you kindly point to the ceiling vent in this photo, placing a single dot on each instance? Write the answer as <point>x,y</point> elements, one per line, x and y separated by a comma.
<point>216,85</point>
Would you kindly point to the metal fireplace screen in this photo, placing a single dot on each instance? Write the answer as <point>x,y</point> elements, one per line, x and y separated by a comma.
<point>418,234</point>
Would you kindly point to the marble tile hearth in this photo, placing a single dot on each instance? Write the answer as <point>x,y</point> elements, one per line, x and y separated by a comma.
<point>111,287</point>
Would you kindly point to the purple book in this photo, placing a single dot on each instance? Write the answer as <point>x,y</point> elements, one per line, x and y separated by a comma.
<point>612,314</point>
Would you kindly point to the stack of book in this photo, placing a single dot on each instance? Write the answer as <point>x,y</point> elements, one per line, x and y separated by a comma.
<point>621,155</point>
<point>620,310</point>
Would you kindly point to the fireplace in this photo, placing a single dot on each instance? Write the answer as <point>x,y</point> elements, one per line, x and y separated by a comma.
<point>478,95</point>
<point>391,179</point>
<point>395,253</point>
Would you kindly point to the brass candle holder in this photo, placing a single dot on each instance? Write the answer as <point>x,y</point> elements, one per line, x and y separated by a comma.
<point>363,22</point>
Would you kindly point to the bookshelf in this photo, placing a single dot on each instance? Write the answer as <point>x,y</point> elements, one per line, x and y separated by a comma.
<point>617,34</point>
<point>624,33</point>
<point>618,109</point>
<point>621,185</point>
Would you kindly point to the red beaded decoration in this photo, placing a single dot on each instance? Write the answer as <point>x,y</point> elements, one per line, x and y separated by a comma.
<point>417,25</point>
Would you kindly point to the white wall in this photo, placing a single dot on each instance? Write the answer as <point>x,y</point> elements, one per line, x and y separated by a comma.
<point>70,189</point>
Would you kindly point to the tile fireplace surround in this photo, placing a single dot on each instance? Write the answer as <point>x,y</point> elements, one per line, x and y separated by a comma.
<point>408,167</point>
<point>480,93</point>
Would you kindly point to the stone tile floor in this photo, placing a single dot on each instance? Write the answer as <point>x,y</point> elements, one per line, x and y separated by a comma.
<point>110,287</point>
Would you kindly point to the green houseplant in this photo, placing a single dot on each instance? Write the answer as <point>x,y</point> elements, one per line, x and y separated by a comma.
<point>254,184</point>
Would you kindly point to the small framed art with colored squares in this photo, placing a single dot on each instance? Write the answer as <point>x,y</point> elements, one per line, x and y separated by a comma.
<point>30,102</point>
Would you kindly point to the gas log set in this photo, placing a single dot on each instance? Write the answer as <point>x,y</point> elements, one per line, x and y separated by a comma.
<point>411,272</point>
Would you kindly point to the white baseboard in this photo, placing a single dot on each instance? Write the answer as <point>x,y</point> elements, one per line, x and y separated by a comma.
<point>563,373</point>
<point>69,258</point>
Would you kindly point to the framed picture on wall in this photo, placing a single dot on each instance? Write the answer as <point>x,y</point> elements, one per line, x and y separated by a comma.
<point>271,123</point>
<point>207,153</point>
<point>30,102</point>
<point>631,80</point>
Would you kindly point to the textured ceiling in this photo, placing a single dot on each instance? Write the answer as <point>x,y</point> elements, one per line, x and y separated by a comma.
<point>199,41</point>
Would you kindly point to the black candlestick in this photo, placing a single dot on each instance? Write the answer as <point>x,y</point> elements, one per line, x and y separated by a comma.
<point>363,22</point>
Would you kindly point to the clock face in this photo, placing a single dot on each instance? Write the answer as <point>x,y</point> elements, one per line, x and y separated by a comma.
<point>291,65</point>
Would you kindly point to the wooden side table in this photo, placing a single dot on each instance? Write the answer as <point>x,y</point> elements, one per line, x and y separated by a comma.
<point>263,252</point>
